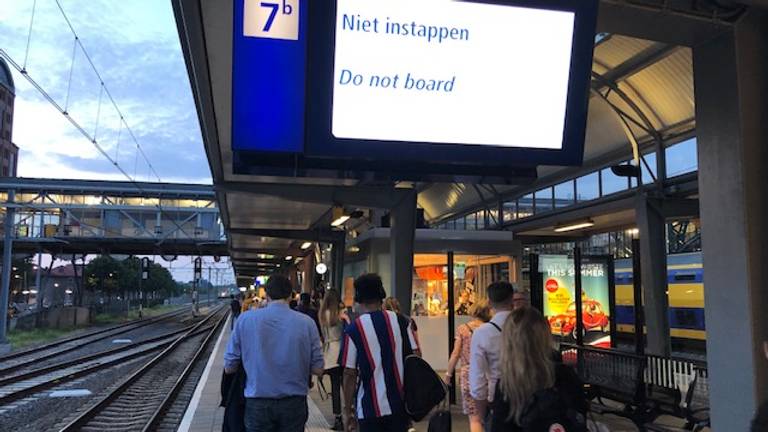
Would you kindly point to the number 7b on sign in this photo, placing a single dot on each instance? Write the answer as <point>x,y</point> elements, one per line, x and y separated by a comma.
<point>273,19</point>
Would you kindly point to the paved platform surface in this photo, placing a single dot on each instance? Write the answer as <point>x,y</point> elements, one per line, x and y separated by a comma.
<point>205,415</point>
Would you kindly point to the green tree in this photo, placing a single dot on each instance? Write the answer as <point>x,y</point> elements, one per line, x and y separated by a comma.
<point>103,273</point>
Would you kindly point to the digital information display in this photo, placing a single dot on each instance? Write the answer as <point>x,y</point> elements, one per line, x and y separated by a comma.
<point>451,72</point>
<point>456,88</point>
<point>558,282</point>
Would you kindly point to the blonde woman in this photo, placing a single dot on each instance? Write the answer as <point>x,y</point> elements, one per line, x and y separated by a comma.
<point>535,392</point>
<point>481,313</point>
<point>332,322</point>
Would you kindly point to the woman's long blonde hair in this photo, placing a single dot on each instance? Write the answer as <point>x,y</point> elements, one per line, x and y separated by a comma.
<point>526,359</point>
<point>330,308</point>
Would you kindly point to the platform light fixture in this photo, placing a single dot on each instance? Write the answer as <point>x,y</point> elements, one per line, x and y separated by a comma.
<point>321,268</point>
<point>339,217</point>
<point>67,291</point>
<point>575,226</point>
<point>289,257</point>
<point>306,245</point>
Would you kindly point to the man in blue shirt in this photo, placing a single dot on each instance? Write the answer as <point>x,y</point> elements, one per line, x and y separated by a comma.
<point>279,349</point>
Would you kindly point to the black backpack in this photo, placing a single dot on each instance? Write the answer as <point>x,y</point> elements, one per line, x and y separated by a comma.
<point>424,389</point>
<point>548,411</point>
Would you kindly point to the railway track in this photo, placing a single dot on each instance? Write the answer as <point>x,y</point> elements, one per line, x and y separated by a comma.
<point>154,397</point>
<point>18,360</point>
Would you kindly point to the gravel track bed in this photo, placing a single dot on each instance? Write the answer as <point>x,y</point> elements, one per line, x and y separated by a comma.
<point>43,413</point>
<point>131,409</point>
<point>136,335</point>
<point>175,412</point>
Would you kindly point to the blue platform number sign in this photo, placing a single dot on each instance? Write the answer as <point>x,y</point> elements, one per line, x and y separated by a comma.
<point>272,19</point>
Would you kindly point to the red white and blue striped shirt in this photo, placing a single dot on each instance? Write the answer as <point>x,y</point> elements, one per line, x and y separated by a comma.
<point>376,344</point>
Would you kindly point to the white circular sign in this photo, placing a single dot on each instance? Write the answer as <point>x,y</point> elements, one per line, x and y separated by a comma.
<point>321,268</point>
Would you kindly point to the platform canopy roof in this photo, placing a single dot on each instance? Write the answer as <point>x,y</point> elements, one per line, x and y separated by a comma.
<point>642,68</point>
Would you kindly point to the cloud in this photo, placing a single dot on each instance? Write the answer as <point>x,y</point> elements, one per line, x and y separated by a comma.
<point>135,49</point>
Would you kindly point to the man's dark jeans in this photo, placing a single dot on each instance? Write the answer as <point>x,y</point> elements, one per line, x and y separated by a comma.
<point>276,415</point>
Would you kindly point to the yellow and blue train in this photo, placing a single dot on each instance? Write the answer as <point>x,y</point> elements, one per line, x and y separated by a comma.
<point>686,299</point>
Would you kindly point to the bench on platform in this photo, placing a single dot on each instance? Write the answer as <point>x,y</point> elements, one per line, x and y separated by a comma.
<point>645,387</point>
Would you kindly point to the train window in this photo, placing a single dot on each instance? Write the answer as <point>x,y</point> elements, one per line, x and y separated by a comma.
<point>685,318</point>
<point>685,277</point>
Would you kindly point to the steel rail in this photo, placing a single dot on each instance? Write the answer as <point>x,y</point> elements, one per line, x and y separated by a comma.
<point>57,380</point>
<point>51,368</point>
<point>90,413</point>
<point>86,335</point>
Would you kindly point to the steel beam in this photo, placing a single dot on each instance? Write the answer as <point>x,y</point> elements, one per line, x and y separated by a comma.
<point>326,236</point>
<point>402,241</point>
<point>623,18</point>
<point>360,196</point>
<point>5,281</point>
<point>636,63</point>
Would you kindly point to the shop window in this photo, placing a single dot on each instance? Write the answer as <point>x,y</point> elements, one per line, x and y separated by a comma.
<point>472,273</point>
<point>564,194</point>
<point>682,158</point>
<point>588,187</point>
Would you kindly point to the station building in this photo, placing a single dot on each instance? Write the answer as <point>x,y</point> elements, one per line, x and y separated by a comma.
<point>9,152</point>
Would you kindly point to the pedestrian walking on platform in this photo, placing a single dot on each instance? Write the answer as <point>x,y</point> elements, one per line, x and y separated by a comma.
<point>305,307</point>
<point>333,320</point>
<point>234,305</point>
<point>481,313</point>
<point>279,349</point>
<point>373,352</point>
<point>484,363</point>
<point>535,393</point>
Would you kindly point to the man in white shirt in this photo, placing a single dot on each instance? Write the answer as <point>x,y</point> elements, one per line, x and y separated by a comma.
<point>484,368</point>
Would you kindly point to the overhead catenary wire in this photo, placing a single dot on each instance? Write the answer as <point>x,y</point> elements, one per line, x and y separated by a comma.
<point>104,90</point>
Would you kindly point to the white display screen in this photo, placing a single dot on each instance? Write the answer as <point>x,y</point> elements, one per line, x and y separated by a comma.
<point>440,71</point>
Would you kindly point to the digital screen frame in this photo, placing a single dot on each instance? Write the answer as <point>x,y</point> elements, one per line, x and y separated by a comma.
<point>308,142</point>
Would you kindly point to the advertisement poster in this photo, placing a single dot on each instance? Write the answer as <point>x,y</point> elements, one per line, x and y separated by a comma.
<point>558,282</point>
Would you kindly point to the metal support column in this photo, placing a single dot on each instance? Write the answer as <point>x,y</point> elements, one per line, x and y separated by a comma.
<point>337,274</point>
<point>5,283</point>
<point>535,279</point>
<point>38,276</point>
<point>401,247</point>
<point>451,320</point>
<point>730,87</point>
<point>578,293</point>
<point>637,290</point>
<point>653,258</point>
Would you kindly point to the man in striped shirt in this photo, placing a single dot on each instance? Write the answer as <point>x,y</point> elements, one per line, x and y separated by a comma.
<point>373,352</point>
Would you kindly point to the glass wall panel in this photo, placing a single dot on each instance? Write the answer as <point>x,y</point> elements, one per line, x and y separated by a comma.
<point>543,200</point>
<point>525,206</point>
<point>472,221</point>
<point>682,158</point>
<point>564,194</point>
<point>510,211</point>
<point>587,187</point>
<point>613,183</point>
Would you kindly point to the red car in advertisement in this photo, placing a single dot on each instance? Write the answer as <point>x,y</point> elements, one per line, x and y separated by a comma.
<point>592,316</point>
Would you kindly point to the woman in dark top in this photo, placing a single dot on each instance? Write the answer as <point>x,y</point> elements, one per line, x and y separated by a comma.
<point>534,391</point>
